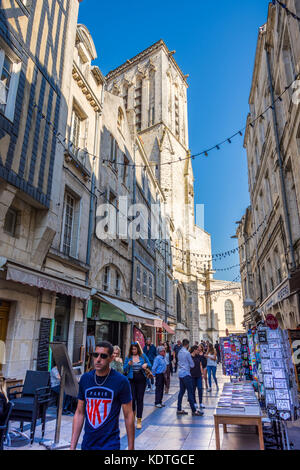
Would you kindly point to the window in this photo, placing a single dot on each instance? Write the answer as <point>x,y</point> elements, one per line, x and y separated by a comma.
<point>71,225</point>
<point>125,96</point>
<point>106,279</point>
<point>10,222</point>
<point>118,284</point>
<point>176,116</point>
<point>178,307</point>
<point>138,279</point>
<point>76,129</point>
<point>121,120</point>
<point>113,152</point>
<point>9,80</point>
<point>277,267</point>
<point>125,170</point>
<point>138,105</point>
<point>229,313</point>
<point>68,223</point>
<point>144,283</point>
<point>150,287</point>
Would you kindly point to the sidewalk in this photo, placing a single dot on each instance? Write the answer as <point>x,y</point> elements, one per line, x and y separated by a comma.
<point>164,430</point>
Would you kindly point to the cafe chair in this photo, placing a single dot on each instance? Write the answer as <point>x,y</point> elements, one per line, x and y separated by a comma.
<point>4,426</point>
<point>31,400</point>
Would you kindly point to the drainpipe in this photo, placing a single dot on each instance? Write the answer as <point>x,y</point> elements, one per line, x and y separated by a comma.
<point>93,185</point>
<point>281,169</point>
<point>133,244</point>
<point>133,241</point>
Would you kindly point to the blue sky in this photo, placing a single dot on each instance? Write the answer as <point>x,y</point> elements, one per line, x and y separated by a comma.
<point>215,44</point>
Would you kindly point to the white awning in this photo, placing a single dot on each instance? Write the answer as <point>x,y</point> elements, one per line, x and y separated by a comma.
<point>42,281</point>
<point>133,312</point>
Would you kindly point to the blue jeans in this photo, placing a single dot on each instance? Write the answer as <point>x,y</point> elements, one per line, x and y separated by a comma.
<point>186,383</point>
<point>197,384</point>
<point>212,370</point>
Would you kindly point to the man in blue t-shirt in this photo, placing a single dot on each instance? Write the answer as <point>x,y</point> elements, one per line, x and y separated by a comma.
<point>102,393</point>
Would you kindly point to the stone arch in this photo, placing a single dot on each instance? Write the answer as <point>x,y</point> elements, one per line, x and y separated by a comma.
<point>85,37</point>
<point>113,269</point>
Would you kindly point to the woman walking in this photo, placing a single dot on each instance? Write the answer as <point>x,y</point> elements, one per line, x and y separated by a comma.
<point>117,362</point>
<point>204,363</point>
<point>197,373</point>
<point>3,409</point>
<point>212,365</point>
<point>167,374</point>
<point>135,365</point>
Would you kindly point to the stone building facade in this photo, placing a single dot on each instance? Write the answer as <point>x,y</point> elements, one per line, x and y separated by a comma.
<point>77,151</point>
<point>269,232</point>
<point>154,91</point>
<point>34,40</point>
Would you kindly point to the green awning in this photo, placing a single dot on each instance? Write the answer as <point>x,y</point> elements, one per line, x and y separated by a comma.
<point>110,313</point>
<point>101,311</point>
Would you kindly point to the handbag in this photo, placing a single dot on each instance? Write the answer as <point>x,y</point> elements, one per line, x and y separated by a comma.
<point>148,372</point>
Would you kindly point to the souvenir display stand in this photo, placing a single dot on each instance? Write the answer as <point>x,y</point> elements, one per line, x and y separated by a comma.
<point>273,370</point>
<point>238,405</point>
<point>235,357</point>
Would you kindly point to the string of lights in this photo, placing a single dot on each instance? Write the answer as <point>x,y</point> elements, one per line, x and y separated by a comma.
<point>228,140</point>
<point>284,6</point>
<point>217,256</point>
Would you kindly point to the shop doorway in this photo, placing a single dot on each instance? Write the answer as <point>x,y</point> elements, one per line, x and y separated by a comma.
<point>113,332</point>
<point>4,315</point>
<point>62,319</point>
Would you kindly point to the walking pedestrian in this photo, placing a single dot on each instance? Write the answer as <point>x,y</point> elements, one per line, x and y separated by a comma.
<point>185,364</point>
<point>197,373</point>
<point>158,370</point>
<point>211,366</point>
<point>134,366</point>
<point>177,348</point>
<point>102,393</point>
<point>151,353</point>
<point>117,362</point>
<point>204,364</point>
<point>168,359</point>
<point>217,348</point>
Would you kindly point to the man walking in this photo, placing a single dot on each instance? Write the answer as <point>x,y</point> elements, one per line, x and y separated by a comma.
<point>158,370</point>
<point>217,348</point>
<point>102,393</point>
<point>150,351</point>
<point>177,348</point>
<point>185,364</point>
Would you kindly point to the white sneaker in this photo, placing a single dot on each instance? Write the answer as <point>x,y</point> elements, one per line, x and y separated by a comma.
<point>202,406</point>
<point>209,389</point>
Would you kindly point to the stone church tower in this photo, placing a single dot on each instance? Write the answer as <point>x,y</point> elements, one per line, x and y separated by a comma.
<point>154,90</point>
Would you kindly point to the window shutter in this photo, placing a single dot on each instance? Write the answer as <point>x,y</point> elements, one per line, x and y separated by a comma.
<point>76,231</point>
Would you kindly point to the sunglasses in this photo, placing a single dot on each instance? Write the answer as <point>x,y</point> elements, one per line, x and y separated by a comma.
<point>102,355</point>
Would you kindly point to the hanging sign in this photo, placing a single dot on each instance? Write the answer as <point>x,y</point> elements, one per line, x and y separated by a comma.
<point>272,322</point>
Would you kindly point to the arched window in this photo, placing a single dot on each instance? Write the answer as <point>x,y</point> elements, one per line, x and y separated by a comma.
<point>178,306</point>
<point>121,120</point>
<point>229,313</point>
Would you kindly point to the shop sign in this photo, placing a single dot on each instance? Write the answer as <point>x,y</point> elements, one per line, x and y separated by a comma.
<point>272,322</point>
<point>284,292</point>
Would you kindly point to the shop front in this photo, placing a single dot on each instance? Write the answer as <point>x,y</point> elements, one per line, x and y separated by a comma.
<point>105,322</point>
<point>35,309</point>
<point>284,302</point>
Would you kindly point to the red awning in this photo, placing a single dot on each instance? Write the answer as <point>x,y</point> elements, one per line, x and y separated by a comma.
<point>168,329</point>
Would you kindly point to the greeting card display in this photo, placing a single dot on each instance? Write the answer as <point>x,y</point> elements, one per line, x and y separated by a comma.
<point>275,374</point>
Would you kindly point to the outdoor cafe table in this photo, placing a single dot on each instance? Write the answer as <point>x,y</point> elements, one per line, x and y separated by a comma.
<point>246,415</point>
